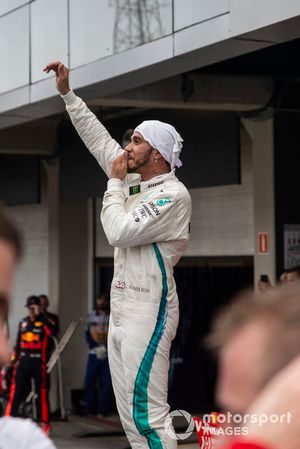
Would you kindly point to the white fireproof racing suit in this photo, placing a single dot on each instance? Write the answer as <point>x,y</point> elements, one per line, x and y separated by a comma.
<point>148,224</point>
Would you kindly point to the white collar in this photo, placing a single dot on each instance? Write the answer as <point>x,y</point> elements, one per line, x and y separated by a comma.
<point>135,185</point>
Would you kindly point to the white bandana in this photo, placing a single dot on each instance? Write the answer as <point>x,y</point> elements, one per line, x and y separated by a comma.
<point>164,138</point>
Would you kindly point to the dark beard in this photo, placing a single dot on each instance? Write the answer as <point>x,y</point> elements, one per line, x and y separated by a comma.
<point>142,164</point>
<point>132,170</point>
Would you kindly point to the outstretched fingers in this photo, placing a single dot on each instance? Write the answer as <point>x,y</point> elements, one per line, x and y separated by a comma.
<point>52,66</point>
<point>62,76</point>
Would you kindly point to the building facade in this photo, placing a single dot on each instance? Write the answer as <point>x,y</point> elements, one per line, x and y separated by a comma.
<point>129,59</point>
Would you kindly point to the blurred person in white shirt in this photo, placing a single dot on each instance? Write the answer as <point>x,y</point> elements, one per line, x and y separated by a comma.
<point>14,432</point>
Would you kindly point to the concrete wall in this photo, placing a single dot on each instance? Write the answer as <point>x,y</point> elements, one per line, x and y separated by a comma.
<point>222,221</point>
<point>73,289</point>
<point>262,137</point>
<point>34,275</point>
<point>32,271</point>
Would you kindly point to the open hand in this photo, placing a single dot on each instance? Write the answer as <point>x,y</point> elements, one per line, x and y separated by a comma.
<point>119,166</point>
<point>62,76</point>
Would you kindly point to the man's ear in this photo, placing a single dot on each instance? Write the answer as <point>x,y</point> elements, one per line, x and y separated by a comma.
<point>157,154</point>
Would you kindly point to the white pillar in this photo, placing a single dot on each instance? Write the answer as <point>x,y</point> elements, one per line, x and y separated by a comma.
<point>52,171</point>
<point>52,175</point>
<point>262,135</point>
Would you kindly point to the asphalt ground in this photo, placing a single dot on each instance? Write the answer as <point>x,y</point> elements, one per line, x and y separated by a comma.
<point>95,433</point>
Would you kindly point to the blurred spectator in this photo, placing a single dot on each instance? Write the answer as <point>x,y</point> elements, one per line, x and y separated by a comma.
<point>54,319</point>
<point>281,395</point>
<point>282,278</point>
<point>290,275</point>
<point>257,338</point>
<point>10,251</point>
<point>51,316</point>
<point>14,432</point>
<point>97,371</point>
<point>258,330</point>
<point>31,361</point>
<point>264,283</point>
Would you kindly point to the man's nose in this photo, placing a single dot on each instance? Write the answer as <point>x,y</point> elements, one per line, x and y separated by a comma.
<point>128,147</point>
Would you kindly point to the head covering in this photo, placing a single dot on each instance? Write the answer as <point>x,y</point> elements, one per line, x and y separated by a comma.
<point>33,301</point>
<point>164,138</point>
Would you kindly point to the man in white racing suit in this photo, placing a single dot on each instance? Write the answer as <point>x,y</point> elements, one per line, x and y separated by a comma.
<point>145,215</point>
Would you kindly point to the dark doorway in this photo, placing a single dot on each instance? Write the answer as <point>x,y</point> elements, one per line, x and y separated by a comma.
<point>203,286</point>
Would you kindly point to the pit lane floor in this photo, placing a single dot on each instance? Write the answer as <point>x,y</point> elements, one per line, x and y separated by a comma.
<point>93,433</point>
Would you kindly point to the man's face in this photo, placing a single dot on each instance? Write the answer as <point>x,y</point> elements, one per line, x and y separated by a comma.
<point>139,152</point>
<point>44,304</point>
<point>31,312</point>
<point>263,286</point>
<point>242,367</point>
<point>7,268</point>
<point>102,303</point>
<point>293,276</point>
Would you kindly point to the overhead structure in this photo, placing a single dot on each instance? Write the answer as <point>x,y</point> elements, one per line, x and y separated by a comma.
<point>137,22</point>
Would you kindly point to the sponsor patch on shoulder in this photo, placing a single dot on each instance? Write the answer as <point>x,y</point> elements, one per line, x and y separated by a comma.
<point>38,323</point>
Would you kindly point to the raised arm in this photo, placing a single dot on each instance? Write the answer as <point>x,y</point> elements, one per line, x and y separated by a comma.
<point>94,135</point>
